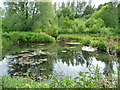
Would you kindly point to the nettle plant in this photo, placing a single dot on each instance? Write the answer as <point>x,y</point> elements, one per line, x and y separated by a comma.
<point>91,79</point>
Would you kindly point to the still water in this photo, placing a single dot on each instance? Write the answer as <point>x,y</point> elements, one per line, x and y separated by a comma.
<point>44,59</point>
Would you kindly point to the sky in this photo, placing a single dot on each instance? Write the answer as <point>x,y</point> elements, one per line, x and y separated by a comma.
<point>94,2</point>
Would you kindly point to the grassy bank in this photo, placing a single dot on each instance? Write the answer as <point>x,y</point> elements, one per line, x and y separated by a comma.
<point>26,37</point>
<point>92,79</point>
<point>102,42</point>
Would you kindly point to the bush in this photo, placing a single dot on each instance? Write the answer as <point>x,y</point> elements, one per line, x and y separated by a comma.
<point>68,37</point>
<point>105,31</point>
<point>91,79</point>
<point>6,42</point>
<point>10,38</point>
<point>94,25</point>
<point>118,50</point>
<point>37,30</point>
<point>78,26</point>
<point>90,22</point>
<point>85,41</point>
<point>100,44</point>
<point>28,37</point>
<point>41,38</point>
<point>52,30</point>
<point>15,82</point>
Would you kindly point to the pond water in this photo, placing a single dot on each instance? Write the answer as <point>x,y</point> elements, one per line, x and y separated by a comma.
<point>44,59</point>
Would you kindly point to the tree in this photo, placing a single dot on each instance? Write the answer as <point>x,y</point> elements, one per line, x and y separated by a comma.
<point>45,14</point>
<point>88,10</point>
<point>109,13</point>
<point>80,8</point>
<point>16,17</point>
<point>94,25</point>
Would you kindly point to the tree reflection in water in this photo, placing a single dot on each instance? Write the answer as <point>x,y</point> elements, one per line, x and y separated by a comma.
<point>69,55</point>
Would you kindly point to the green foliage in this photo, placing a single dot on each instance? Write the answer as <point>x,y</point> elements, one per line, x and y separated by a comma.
<point>15,82</point>
<point>90,22</point>
<point>88,10</point>
<point>45,15</point>
<point>27,16</point>
<point>6,42</point>
<point>91,79</point>
<point>105,31</point>
<point>52,31</point>
<point>85,41</point>
<point>100,44</point>
<point>65,24</point>
<point>78,26</point>
<point>118,49</point>
<point>108,13</point>
<point>41,38</point>
<point>68,18</point>
<point>68,37</point>
<point>28,37</point>
<point>94,25</point>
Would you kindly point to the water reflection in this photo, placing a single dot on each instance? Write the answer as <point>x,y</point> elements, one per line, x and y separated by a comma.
<point>29,65</point>
<point>66,59</point>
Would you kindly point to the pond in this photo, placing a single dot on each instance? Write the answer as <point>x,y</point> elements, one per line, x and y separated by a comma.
<point>43,59</point>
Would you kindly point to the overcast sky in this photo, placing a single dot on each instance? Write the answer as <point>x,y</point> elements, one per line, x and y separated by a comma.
<point>94,2</point>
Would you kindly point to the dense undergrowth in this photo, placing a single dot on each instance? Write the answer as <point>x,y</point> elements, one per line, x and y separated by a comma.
<point>26,37</point>
<point>91,79</point>
<point>102,42</point>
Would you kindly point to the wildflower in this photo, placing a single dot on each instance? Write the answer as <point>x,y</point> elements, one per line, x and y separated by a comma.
<point>48,83</point>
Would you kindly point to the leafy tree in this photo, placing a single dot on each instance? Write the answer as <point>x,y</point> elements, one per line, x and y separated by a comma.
<point>109,14</point>
<point>94,25</point>
<point>16,17</point>
<point>88,10</point>
<point>80,8</point>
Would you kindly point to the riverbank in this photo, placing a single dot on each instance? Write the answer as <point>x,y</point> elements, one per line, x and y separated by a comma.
<point>104,43</point>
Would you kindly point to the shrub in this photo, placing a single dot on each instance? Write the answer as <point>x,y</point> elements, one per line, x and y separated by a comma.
<point>37,30</point>
<point>118,50</point>
<point>100,44</point>
<point>28,37</point>
<point>11,37</point>
<point>91,79</point>
<point>78,26</point>
<point>15,82</point>
<point>52,31</point>
<point>6,42</point>
<point>42,37</point>
<point>94,25</point>
<point>105,31</point>
<point>68,37</point>
<point>90,22</point>
<point>85,41</point>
